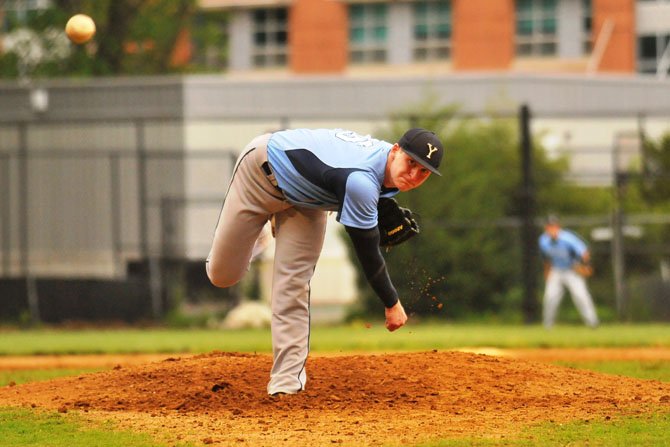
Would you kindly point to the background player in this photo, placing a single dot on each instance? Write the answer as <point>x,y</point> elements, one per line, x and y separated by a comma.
<point>563,252</point>
<point>295,177</point>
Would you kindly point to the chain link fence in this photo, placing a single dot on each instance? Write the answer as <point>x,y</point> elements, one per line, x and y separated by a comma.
<point>125,210</point>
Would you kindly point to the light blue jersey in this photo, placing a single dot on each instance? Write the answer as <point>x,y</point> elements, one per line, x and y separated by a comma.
<point>563,252</point>
<point>332,169</point>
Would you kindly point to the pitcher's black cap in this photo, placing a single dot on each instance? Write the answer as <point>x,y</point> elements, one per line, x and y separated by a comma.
<point>424,147</point>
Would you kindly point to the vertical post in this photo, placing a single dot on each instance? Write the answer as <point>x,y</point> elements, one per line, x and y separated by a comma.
<point>527,208</point>
<point>155,287</point>
<point>115,207</point>
<point>641,138</point>
<point>153,263</point>
<point>142,187</point>
<point>23,199</point>
<point>4,215</point>
<point>168,208</point>
<point>24,225</point>
<point>168,253</point>
<point>617,232</point>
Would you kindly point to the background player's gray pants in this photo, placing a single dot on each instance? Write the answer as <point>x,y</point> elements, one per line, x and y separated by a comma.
<point>250,202</point>
<point>553,294</point>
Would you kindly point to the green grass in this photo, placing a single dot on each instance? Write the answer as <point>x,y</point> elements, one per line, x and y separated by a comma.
<point>354,337</point>
<point>645,430</point>
<point>22,428</point>
<point>34,375</point>
<point>640,369</point>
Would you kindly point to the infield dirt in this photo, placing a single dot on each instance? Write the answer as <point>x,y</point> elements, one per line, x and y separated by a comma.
<point>353,400</point>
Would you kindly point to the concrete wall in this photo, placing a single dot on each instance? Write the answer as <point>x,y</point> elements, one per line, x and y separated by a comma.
<point>344,98</point>
<point>74,187</point>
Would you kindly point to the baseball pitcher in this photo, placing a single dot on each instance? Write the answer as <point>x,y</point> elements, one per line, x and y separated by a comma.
<point>566,264</point>
<point>294,177</point>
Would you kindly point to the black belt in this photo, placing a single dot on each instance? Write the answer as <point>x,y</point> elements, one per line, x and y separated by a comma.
<point>270,175</point>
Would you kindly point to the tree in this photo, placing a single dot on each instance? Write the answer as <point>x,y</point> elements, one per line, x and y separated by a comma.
<point>132,37</point>
<point>655,184</point>
<point>650,193</point>
<point>33,45</point>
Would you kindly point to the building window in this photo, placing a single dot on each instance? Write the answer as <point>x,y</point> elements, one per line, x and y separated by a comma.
<point>432,30</point>
<point>587,26</point>
<point>650,49</point>
<point>536,25</point>
<point>270,37</point>
<point>368,32</point>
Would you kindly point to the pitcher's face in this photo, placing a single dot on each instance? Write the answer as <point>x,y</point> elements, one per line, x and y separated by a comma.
<point>403,172</point>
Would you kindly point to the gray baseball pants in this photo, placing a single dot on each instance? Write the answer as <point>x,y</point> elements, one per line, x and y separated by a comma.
<point>553,294</point>
<point>250,202</point>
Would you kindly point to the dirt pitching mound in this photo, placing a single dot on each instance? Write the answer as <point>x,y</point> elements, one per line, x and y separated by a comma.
<point>395,399</point>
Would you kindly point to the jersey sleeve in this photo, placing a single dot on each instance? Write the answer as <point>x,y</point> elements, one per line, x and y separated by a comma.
<point>359,206</point>
<point>366,246</point>
<point>576,243</point>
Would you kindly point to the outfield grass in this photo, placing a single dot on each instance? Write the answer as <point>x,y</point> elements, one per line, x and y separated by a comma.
<point>639,369</point>
<point>351,338</point>
<point>20,376</point>
<point>22,428</point>
<point>644,430</point>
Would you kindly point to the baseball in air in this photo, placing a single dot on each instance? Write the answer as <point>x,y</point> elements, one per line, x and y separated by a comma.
<point>80,28</point>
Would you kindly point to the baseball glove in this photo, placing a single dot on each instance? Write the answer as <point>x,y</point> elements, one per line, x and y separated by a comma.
<point>583,269</point>
<point>396,224</point>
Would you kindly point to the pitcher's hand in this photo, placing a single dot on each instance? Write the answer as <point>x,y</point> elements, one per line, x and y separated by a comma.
<point>395,317</point>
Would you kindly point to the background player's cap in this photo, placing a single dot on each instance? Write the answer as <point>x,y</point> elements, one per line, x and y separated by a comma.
<point>424,147</point>
<point>552,219</point>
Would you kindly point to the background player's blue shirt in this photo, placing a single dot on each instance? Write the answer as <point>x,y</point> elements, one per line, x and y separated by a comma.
<point>332,169</point>
<point>563,252</point>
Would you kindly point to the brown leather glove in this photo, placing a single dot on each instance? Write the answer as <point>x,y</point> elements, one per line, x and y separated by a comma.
<point>584,269</point>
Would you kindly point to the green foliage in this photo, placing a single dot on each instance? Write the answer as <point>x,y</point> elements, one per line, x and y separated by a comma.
<point>210,40</point>
<point>655,182</point>
<point>133,37</point>
<point>155,30</point>
<point>467,259</point>
<point>648,193</point>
